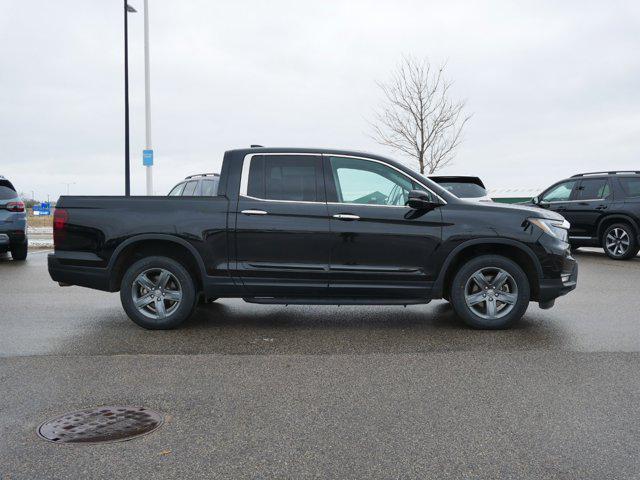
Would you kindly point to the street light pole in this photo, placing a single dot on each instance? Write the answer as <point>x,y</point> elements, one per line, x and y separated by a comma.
<point>147,97</point>
<point>68,184</point>
<point>127,173</point>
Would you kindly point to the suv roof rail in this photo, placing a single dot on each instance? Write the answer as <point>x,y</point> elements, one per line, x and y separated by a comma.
<point>202,175</point>
<point>611,172</point>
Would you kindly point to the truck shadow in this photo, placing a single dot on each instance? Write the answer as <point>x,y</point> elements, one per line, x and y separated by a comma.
<point>233,327</point>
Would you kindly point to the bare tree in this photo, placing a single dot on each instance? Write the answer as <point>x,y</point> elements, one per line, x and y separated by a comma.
<point>417,117</point>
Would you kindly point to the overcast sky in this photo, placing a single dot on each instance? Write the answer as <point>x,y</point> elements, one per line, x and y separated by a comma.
<point>554,87</point>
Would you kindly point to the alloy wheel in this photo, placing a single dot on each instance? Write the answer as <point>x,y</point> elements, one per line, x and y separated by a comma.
<point>491,293</point>
<point>156,293</point>
<point>617,242</point>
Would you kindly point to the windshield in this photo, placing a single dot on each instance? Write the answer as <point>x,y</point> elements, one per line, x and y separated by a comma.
<point>464,190</point>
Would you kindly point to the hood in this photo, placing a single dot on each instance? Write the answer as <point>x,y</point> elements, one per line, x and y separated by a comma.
<point>529,211</point>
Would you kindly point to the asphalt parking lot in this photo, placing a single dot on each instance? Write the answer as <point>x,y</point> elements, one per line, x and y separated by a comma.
<point>327,392</point>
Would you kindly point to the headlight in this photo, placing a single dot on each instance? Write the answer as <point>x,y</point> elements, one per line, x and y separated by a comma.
<point>556,228</point>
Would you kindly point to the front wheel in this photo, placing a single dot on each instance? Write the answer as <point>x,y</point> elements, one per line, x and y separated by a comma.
<point>158,293</point>
<point>619,242</point>
<point>490,292</point>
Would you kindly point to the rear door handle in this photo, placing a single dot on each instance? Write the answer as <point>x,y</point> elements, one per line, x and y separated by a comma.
<point>346,216</point>
<point>254,212</point>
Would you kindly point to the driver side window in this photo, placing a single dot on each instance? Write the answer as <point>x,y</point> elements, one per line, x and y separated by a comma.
<point>560,193</point>
<point>369,183</point>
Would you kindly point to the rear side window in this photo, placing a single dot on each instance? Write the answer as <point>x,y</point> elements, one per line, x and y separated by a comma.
<point>286,177</point>
<point>591,189</point>
<point>631,186</point>
<point>190,188</point>
<point>209,187</point>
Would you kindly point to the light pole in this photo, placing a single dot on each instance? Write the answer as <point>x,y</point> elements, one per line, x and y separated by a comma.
<point>127,181</point>
<point>147,155</point>
<point>68,184</point>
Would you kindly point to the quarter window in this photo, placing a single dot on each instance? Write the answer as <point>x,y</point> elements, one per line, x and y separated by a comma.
<point>631,186</point>
<point>286,177</point>
<point>369,183</point>
<point>559,193</point>
<point>592,189</point>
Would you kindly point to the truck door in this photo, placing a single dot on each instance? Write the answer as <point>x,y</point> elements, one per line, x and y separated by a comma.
<point>282,226</point>
<point>380,247</point>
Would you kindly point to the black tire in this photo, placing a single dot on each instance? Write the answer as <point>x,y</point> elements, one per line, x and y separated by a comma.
<point>19,252</point>
<point>206,300</point>
<point>516,288</point>
<point>620,250</point>
<point>180,280</point>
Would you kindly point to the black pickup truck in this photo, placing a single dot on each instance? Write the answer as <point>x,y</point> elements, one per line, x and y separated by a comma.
<point>313,226</point>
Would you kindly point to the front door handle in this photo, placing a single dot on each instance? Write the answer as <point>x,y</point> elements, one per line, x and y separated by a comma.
<point>346,216</point>
<point>560,209</point>
<point>254,212</point>
<point>601,207</point>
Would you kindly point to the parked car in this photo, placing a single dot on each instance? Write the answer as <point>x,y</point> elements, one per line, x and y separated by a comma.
<point>310,226</point>
<point>13,221</point>
<point>466,188</point>
<point>603,209</point>
<point>200,185</point>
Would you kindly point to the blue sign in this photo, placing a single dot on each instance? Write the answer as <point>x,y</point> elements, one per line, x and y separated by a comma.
<point>147,158</point>
<point>43,209</point>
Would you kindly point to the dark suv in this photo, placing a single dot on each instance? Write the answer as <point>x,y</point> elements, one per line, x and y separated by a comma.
<point>603,209</point>
<point>200,185</point>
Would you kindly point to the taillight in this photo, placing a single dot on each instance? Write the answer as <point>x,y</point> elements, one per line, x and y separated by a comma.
<point>60,218</point>
<point>15,206</point>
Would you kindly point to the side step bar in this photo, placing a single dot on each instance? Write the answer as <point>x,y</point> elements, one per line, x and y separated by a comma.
<point>335,301</point>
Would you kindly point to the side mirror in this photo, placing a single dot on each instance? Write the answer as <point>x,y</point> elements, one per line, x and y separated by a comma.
<point>421,200</point>
<point>535,200</point>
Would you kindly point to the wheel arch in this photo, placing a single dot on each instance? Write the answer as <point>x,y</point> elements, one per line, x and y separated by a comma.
<point>511,249</point>
<point>141,246</point>
<point>616,218</point>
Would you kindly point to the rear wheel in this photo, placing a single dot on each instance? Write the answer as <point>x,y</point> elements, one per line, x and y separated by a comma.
<point>19,252</point>
<point>619,241</point>
<point>490,292</point>
<point>158,293</point>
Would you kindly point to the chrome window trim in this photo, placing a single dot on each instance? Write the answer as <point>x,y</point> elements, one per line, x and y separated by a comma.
<point>246,165</point>
<point>249,197</point>
<point>576,201</point>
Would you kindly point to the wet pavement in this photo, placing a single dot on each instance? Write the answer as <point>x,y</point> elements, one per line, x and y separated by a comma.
<point>253,391</point>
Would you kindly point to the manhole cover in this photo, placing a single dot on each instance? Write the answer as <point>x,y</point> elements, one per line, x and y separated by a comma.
<point>101,424</point>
